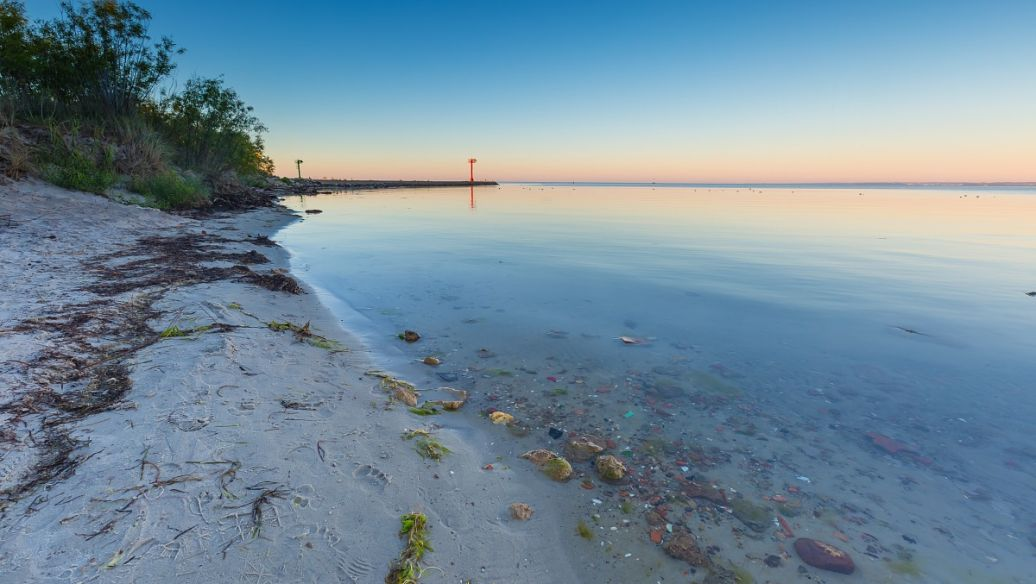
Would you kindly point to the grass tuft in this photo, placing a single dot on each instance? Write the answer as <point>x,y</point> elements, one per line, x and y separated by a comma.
<point>80,167</point>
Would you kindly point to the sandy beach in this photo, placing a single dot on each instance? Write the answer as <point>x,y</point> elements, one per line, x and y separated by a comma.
<point>166,414</point>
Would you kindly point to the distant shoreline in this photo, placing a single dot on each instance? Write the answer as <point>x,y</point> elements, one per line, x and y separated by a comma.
<point>396,184</point>
<point>803,185</point>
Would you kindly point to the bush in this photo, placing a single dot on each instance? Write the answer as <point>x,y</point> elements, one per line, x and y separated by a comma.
<point>213,130</point>
<point>79,166</point>
<point>168,190</point>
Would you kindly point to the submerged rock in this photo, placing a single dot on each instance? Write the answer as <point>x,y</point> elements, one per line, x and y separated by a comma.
<point>824,556</point>
<point>699,491</point>
<point>610,468</point>
<point>521,511</point>
<point>756,517</point>
<point>582,448</point>
<point>684,546</point>
<point>501,418</point>
<point>454,404</point>
<point>400,390</point>
<point>666,388</point>
<point>550,463</point>
<point>410,336</point>
<point>558,469</point>
<point>539,456</point>
<point>433,361</point>
<point>405,395</point>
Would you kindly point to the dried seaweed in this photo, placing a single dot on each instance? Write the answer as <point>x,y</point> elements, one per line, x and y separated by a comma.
<point>56,462</point>
<point>91,340</point>
<point>275,281</point>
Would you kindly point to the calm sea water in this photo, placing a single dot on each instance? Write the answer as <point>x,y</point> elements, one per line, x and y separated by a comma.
<point>858,360</point>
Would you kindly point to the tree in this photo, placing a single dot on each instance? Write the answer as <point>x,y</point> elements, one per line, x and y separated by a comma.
<point>213,129</point>
<point>95,59</point>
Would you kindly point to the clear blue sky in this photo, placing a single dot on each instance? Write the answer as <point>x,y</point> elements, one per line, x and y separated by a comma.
<point>601,90</point>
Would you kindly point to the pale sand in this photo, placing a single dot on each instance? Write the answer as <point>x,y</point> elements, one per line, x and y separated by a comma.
<point>343,471</point>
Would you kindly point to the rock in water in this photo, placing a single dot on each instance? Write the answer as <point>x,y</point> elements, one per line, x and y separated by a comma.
<point>433,361</point>
<point>582,448</point>
<point>684,546</point>
<point>521,511</point>
<point>405,395</point>
<point>824,556</point>
<point>610,468</point>
<point>558,469</point>
<point>411,336</point>
<point>501,417</point>
<point>540,456</point>
<point>550,463</point>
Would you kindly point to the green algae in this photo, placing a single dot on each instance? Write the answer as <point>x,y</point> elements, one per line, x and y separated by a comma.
<point>407,568</point>
<point>904,567</point>
<point>712,384</point>
<point>584,530</point>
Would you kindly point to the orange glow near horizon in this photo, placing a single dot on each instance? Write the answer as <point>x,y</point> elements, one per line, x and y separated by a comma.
<point>903,162</point>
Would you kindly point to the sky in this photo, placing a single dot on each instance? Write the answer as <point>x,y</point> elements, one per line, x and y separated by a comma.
<point>666,91</point>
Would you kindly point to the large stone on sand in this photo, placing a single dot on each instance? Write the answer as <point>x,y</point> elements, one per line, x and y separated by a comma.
<point>582,448</point>
<point>610,468</point>
<point>684,546</point>
<point>824,556</point>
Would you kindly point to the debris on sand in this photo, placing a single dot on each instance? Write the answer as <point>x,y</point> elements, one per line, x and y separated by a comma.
<point>521,511</point>
<point>274,280</point>
<point>407,568</point>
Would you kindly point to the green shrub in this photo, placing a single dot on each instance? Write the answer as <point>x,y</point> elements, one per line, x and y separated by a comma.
<point>81,168</point>
<point>169,190</point>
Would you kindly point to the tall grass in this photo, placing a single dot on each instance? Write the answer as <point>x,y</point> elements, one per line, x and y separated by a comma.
<point>142,150</point>
<point>76,163</point>
<point>15,154</point>
<point>170,191</point>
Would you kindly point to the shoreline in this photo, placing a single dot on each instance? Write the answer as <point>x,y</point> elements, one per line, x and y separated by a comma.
<point>224,448</point>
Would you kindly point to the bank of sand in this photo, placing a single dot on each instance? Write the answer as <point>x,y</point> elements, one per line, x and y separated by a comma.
<point>234,453</point>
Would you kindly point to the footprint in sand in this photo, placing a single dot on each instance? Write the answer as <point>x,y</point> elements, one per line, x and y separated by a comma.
<point>189,417</point>
<point>357,570</point>
<point>371,476</point>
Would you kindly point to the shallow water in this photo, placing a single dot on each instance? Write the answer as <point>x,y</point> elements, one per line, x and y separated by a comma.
<point>781,335</point>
